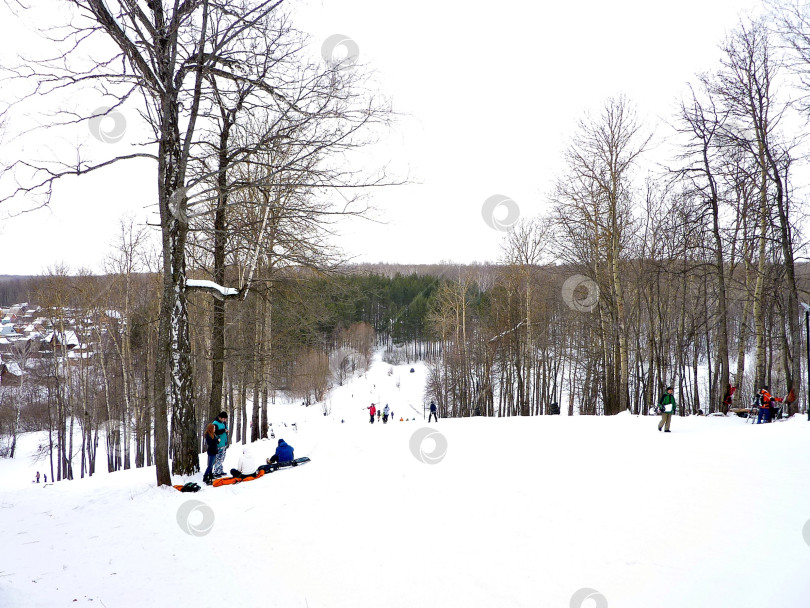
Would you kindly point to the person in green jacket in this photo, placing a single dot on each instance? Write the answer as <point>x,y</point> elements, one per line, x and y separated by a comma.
<point>667,406</point>
<point>221,431</point>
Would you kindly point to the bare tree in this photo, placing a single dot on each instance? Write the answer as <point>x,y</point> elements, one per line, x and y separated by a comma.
<point>747,85</point>
<point>597,189</point>
<point>702,122</point>
<point>523,250</point>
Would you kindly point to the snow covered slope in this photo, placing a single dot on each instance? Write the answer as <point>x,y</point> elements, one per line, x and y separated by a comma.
<point>482,513</point>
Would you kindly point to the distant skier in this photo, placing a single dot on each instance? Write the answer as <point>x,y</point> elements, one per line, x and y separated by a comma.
<point>386,412</point>
<point>372,410</point>
<point>284,453</point>
<point>221,424</point>
<point>46,478</point>
<point>37,476</point>
<point>433,412</point>
<point>667,406</point>
<point>211,451</point>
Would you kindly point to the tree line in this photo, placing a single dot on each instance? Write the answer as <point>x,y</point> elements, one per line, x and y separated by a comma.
<point>298,333</point>
<point>681,276</point>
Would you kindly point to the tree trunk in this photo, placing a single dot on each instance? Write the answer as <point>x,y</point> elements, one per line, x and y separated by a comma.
<point>759,291</point>
<point>218,313</point>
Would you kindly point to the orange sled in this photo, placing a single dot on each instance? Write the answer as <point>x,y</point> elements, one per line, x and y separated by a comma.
<point>227,481</point>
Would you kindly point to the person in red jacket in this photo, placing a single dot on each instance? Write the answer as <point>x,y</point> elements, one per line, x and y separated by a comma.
<point>766,402</point>
<point>728,399</point>
<point>372,410</point>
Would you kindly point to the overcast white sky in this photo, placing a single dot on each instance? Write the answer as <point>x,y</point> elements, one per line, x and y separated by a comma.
<point>488,92</point>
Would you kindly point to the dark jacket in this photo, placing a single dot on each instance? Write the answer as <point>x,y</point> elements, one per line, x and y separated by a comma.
<point>284,451</point>
<point>211,444</point>
<point>432,408</point>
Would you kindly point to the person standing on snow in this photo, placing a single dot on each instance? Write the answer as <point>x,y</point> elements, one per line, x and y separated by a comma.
<point>379,413</point>
<point>221,425</point>
<point>766,402</point>
<point>372,410</point>
<point>764,405</point>
<point>728,400</point>
<point>385,416</point>
<point>211,451</point>
<point>433,412</point>
<point>37,476</point>
<point>667,405</point>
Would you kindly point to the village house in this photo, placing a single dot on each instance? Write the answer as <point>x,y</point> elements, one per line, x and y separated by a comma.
<point>10,374</point>
<point>58,339</point>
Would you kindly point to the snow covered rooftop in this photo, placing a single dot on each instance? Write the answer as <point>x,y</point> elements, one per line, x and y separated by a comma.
<point>69,339</point>
<point>13,367</point>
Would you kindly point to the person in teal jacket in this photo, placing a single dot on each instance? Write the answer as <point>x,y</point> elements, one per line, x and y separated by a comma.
<point>667,406</point>
<point>221,426</point>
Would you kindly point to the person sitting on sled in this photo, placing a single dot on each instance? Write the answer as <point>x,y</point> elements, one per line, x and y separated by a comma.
<point>246,463</point>
<point>284,453</point>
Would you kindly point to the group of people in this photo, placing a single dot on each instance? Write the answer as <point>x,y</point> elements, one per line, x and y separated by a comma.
<point>216,444</point>
<point>216,441</point>
<point>765,403</point>
<point>46,477</point>
<point>385,413</point>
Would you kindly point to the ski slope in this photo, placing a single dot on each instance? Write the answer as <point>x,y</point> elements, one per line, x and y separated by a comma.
<point>539,512</point>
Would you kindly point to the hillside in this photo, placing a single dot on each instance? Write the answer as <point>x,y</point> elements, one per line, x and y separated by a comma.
<point>512,512</point>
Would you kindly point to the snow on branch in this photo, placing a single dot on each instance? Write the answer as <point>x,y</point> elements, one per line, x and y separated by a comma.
<point>220,291</point>
<point>508,331</point>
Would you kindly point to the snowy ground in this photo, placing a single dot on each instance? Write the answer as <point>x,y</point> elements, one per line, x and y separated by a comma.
<point>503,513</point>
